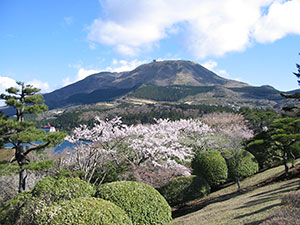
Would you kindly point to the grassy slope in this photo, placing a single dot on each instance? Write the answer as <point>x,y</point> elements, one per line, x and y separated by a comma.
<point>6,154</point>
<point>251,206</point>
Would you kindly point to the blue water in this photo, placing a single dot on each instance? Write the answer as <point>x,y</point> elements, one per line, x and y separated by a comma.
<point>59,148</point>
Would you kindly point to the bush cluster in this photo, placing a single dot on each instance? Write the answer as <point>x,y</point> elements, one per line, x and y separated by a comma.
<point>185,188</point>
<point>142,203</point>
<point>211,166</point>
<point>245,167</point>
<point>24,208</point>
<point>83,211</point>
<point>53,190</point>
<point>72,201</point>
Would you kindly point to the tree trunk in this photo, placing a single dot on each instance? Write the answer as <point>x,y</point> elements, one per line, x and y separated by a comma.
<point>22,161</point>
<point>237,181</point>
<point>22,179</point>
<point>285,161</point>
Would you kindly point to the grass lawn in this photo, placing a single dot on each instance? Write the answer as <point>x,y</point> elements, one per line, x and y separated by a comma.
<point>250,207</point>
<point>6,154</point>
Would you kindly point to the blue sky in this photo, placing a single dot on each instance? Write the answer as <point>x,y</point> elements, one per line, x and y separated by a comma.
<point>52,43</point>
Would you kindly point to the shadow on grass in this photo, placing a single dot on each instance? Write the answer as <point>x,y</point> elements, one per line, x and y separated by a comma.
<point>204,202</point>
<point>270,195</point>
<point>294,184</point>
<point>255,222</point>
<point>258,211</point>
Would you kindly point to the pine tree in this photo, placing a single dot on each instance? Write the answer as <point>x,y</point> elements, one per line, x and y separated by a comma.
<point>23,135</point>
<point>293,111</point>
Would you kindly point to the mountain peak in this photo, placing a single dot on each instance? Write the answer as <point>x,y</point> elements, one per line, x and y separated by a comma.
<point>156,73</point>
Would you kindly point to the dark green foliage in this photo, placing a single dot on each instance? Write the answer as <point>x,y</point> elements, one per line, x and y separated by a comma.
<point>109,173</point>
<point>285,133</point>
<point>66,121</point>
<point>82,211</point>
<point>279,142</point>
<point>296,149</point>
<point>25,207</point>
<point>23,135</point>
<point>169,93</point>
<point>101,95</point>
<point>54,190</point>
<point>245,167</point>
<point>258,119</point>
<point>142,203</point>
<point>183,189</point>
<point>70,174</point>
<point>261,147</point>
<point>22,210</point>
<point>211,166</point>
<point>263,92</point>
<point>10,212</point>
<point>7,168</point>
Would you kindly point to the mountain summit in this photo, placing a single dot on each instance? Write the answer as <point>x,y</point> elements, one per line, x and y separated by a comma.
<point>171,80</point>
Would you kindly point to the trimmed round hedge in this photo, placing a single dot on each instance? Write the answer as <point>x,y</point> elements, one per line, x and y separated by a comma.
<point>142,203</point>
<point>22,209</point>
<point>10,212</point>
<point>53,190</point>
<point>185,188</point>
<point>211,166</point>
<point>82,211</point>
<point>25,206</point>
<point>247,165</point>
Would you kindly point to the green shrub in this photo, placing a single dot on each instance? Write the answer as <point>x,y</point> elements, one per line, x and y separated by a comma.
<point>53,190</point>
<point>211,166</point>
<point>82,211</point>
<point>11,211</point>
<point>183,189</point>
<point>247,164</point>
<point>142,203</point>
<point>22,209</point>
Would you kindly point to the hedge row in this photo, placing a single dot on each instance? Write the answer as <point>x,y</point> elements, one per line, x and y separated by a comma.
<point>73,201</point>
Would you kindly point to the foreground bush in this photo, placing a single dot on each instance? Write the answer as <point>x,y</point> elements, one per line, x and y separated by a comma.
<point>185,188</point>
<point>25,206</point>
<point>142,203</point>
<point>22,209</point>
<point>289,213</point>
<point>211,166</point>
<point>246,167</point>
<point>81,211</point>
<point>53,190</point>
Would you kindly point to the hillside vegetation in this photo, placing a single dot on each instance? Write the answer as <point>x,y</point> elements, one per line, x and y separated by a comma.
<point>260,195</point>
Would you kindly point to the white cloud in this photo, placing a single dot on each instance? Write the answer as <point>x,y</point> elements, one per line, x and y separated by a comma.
<point>123,65</point>
<point>213,66</point>
<point>44,86</point>
<point>210,65</point>
<point>116,66</point>
<point>208,27</point>
<point>282,19</point>
<point>81,74</point>
<point>6,82</point>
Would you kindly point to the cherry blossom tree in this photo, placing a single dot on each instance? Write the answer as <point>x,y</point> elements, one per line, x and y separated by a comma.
<point>233,129</point>
<point>161,145</point>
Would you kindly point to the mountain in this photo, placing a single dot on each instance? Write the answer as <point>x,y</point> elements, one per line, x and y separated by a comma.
<point>172,80</point>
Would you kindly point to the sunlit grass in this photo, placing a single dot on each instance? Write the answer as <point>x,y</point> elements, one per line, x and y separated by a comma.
<point>250,207</point>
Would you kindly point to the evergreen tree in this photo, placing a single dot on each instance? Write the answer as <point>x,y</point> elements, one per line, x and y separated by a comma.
<point>284,133</point>
<point>292,111</point>
<point>295,95</point>
<point>23,135</point>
